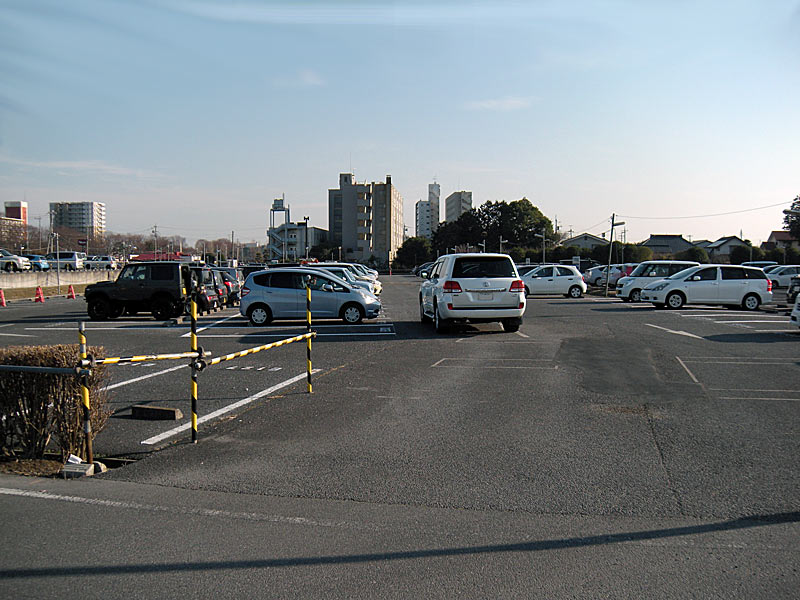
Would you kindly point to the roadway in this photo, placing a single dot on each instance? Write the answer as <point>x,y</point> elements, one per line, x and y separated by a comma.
<point>604,450</point>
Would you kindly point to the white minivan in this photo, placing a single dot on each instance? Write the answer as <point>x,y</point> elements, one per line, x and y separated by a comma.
<point>630,287</point>
<point>730,285</point>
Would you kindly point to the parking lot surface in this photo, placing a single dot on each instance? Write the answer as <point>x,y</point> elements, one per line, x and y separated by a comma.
<point>603,450</point>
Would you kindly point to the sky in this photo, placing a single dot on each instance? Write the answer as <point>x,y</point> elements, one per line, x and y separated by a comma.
<point>194,115</point>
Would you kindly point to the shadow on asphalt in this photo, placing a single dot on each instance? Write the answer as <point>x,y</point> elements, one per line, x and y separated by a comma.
<point>342,559</point>
<point>790,337</point>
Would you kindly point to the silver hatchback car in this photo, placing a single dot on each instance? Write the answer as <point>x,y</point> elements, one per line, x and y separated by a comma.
<point>281,294</point>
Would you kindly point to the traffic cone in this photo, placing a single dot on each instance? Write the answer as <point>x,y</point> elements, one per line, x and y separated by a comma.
<point>39,295</point>
<point>2,299</point>
<point>71,293</point>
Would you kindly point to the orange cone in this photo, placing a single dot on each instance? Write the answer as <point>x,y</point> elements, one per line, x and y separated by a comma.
<point>71,293</point>
<point>39,295</point>
<point>2,299</point>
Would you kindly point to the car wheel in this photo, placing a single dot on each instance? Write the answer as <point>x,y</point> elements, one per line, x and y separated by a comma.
<point>527,291</point>
<point>115,311</point>
<point>511,325</point>
<point>751,302</point>
<point>162,309</point>
<point>259,315</point>
<point>636,296</point>
<point>675,300</point>
<point>441,325</point>
<point>575,292</point>
<point>423,318</point>
<point>37,268</point>
<point>9,267</point>
<point>98,309</point>
<point>352,314</point>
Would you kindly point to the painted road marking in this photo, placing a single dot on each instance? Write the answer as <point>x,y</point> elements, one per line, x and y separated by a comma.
<point>226,409</point>
<point>753,398</point>
<point>686,333</point>
<point>16,335</point>
<point>687,370</point>
<point>186,510</point>
<point>500,363</point>
<point>214,324</point>
<point>143,377</point>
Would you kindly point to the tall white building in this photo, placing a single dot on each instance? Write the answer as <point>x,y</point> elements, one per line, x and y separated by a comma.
<point>426,213</point>
<point>88,218</point>
<point>456,204</point>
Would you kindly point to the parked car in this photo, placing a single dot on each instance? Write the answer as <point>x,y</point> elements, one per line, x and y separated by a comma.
<point>232,286</point>
<point>66,261</point>
<point>418,270</point>
<point>13,262</point>
<point>358,273</point>
<point>38,262</point>
<point>477,288</point>
<point>629,288</point>
<point>770,268</point>
<point>281,294</point>
<point>347,275</point>
<point>617,272</point>
<point>782,275</point>
<point>747,287</point>
<point>595,274</point>
<point>100,262</point>
<point>158,287</point>
<point>555,279</point>
<point>522,269</point>
<point>795,317</point>
<point>794,289</point>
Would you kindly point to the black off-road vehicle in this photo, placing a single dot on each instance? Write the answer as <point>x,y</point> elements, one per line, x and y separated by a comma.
<point>160,288</point>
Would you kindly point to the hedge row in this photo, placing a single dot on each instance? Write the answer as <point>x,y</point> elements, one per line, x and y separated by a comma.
<point>37,409</point>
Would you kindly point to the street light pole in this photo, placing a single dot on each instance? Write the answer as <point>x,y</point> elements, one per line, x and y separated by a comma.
<point>541,235</point>
<point>501,243</point>
<point>305,235</point>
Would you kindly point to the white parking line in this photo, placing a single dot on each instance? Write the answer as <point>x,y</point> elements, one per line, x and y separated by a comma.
<point>226,409</point>
<point>214,324</point>
<point>272,335</point>
<point>687,370</point>
<point>503,363</point>
<point>686,333</point>
<point>143,377</point>
<point>16,335</point>
<point>753,321</point>
<point>752,398</point>
<point>522,335</point>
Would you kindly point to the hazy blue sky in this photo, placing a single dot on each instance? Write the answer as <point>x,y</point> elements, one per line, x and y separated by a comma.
<point>195,115</point>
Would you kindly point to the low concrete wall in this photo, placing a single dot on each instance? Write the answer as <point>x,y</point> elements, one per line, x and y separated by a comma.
<point>33,279</point>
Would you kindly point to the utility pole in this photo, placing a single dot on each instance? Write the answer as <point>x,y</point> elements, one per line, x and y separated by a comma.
<point>155,241</point>
<point>541,235</point>
<point>501,242</point>
<point>305,234</point>
<point>610,248</point>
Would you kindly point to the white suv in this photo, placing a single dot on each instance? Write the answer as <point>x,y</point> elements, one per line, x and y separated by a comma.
<point>747,287</point>
<point>479,288</point>
<point>13,262</point>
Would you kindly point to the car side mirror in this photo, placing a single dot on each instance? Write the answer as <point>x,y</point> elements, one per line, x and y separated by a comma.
<point>696,278</point>
<point>327,287</point>
<point>424,274</point>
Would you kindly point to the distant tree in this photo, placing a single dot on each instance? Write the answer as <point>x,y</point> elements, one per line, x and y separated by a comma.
<point>695,253</point>
<point>414,251</point>
<point>637,253</point>
<point>791,223</point>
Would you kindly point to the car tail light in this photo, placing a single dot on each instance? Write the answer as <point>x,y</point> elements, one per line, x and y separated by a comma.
<point>769,285</point>
<point>451,287</point>
<point>244,292</point>
<point>228,285</point>
<point>517,286</point>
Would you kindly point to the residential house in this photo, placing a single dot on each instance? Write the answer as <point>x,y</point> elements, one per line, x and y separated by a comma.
<point>666,245</point>
<point>720,251</point>
<point>585,241</point>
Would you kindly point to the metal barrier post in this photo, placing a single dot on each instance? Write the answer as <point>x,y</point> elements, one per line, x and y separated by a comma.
<point>193,311</point>
<point>84,378</point>
<point>308,330</point>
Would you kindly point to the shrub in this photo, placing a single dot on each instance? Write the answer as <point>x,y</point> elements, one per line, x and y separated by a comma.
<point>36,408</point>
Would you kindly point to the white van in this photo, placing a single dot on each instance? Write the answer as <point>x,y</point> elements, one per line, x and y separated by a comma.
<point>66,261</point>
<point>630,288</point>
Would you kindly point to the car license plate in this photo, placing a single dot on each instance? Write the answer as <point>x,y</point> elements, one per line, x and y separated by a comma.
<point>485,295</point>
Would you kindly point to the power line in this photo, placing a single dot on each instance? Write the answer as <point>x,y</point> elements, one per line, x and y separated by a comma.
<point>733,212</point>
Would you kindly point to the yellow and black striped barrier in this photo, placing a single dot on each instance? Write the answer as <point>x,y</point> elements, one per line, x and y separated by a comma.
<point>116,360</point>
<point>219,359</point>
<point>87,421</point>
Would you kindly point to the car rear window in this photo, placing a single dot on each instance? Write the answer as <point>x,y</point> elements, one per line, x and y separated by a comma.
<point>261,279</point>
<point>754,274</point>
<point>732,273</point>
<point>483,266</point>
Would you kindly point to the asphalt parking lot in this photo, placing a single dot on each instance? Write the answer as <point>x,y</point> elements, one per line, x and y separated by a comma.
<point>604,450</point>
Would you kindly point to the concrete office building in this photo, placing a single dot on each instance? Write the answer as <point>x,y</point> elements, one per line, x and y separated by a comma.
<point>456,204</point>
<point>88,218</point>
<point>290,241</point>
<point>17,209</point>
<point>427,213</point>
<point>366,219</point>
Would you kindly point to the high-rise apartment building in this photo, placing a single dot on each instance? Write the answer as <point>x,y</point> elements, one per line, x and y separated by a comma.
<point>366,219</point>
<point>426,213</point>
<point>456,204</point>
<point>88,218</point>
<point>17,209</point>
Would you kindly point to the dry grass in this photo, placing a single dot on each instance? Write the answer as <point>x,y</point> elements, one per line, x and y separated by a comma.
<point>51,290</point>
